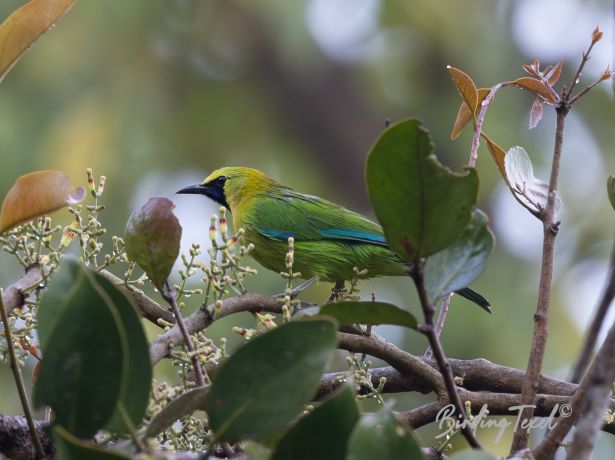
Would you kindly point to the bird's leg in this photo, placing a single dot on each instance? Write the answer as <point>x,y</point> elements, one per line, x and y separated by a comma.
<point>335,292</point>
<point>302,287</point>
<point>299,289</point>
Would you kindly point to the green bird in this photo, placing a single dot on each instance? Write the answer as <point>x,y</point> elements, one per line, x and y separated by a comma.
<point>330,240</point>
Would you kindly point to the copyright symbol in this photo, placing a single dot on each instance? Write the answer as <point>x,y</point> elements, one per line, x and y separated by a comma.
<point>565,410</point>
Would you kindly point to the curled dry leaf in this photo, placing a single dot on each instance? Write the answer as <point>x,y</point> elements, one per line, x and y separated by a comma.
<point>537,88</point>
<point>36,194</point>
<point>530,191</point>
<point>22,28</point>
<point>535,113</point>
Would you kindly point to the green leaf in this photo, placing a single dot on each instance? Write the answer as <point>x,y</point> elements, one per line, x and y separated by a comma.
<point>422,206</point>
<point>471,454</point>
<point>531,192</point>
<point>137,373</point>
<point>181,406</point>
<point>610,190</point>
<point>83,355</point>
<point>255,451</point>
<point>265,383</point>
<point>330,424</point>
<point>152,239</point>
<point>71,448</point>
<point>96,357</point>
<point>459,264</point>
<point>381,436</point>
<point>371,313</point>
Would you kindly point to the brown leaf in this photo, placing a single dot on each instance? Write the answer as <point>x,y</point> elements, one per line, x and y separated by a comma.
<point>22,28</point>
<point>536,87</point>
<point>535,113</point>
<point>497,153</point>
<point>465,86</point>
<point>464,116</point>
<point>553,75</point>
<point>36,194</point>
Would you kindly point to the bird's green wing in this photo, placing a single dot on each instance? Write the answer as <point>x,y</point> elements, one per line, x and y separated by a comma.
<point>287,213</point>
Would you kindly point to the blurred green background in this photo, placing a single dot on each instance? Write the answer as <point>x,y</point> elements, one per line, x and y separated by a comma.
<point>155,94</point>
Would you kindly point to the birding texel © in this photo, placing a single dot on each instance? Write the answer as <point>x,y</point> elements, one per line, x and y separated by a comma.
<point>330,240</point>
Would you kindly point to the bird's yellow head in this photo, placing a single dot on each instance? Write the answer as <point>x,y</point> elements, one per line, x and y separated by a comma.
<point>230,186</point>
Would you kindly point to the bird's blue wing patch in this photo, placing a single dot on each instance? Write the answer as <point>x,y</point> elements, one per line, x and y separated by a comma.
<point>353,236</point>
<point>277,234</point>
<point>338,234</point>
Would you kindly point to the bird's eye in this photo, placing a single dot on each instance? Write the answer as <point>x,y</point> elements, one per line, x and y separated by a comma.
<point>221,180</point>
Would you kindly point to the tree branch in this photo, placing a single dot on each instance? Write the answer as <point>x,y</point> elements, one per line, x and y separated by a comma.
<point>591,398</point>
<point>594,329</point>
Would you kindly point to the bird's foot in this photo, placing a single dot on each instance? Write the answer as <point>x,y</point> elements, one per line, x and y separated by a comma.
<point>336,292</point>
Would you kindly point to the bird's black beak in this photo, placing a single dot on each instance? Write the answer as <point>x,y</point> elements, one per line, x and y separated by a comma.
<point>197,189</point>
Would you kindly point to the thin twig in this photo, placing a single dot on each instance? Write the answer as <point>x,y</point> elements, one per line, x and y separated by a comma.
<point>18,380</point>
<point>445,368</point>
<point>592,335</point>
<point>585,90</point>
<point>479,121</point>
<point>168,293</point>
<point>577,76</point>
<point>446,301</point>
<point>596,384</point>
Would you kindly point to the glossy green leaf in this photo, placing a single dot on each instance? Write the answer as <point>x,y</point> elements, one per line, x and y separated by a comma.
<point>380,435</point>
<point>83,353</point>
<point>610,190</point>
<point>71,448</point>
<point>323,433</point>
<point>459,264</point>
<point>137,373</point>
<point>471,454</point>
<point>370,313</point>
<point>422,205</point>
<point>181,406</point>
<point>528,190</point>
<point>265,383</point>
<point>152,239</point>
<point>96,356</point>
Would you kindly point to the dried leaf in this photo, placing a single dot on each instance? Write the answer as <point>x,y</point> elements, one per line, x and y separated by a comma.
<point>22,28</point>
<point>553,75</point>
<point>464,115</point>
<point>36,194</point>
<point>530,191</point>
<point>497,153</point>
<point>465,86</point>
<point>535,113</point>
<point>537,88</point>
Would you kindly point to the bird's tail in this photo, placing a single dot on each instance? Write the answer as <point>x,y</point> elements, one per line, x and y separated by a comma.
<point>475,297</point>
